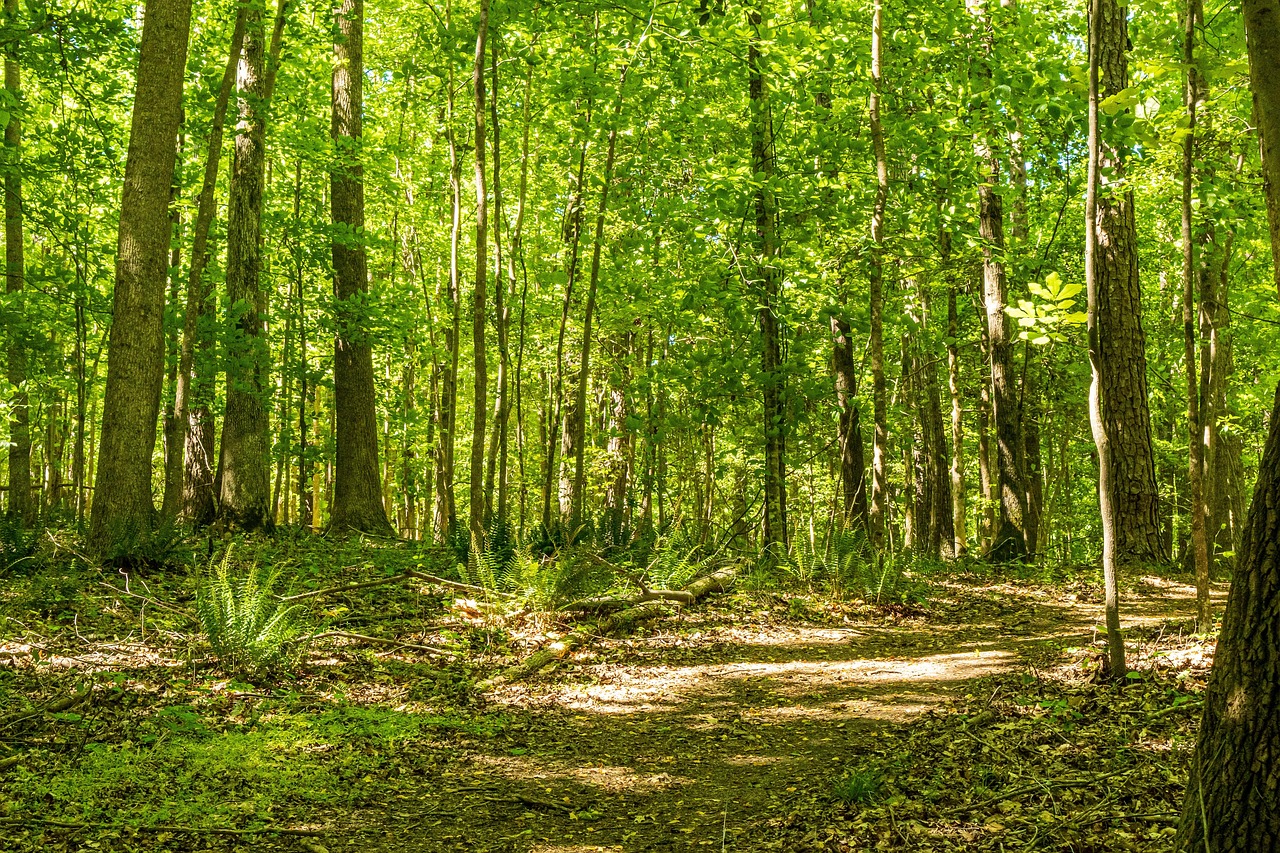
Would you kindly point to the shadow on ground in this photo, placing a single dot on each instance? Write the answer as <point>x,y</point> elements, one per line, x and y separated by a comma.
<point>692,736</point>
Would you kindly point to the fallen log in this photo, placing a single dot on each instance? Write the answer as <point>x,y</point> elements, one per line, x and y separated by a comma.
<point>57,706</point>
<point>638,611</point>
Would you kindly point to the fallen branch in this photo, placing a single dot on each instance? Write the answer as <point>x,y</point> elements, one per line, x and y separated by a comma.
<point>1037,786</point>
<point>66,703</point>
<point>434,580</point>
<point>6,763</point>
<point>149,600</point>
<point>383,641</point>
<point>715,582</point>
<point>161,827</point>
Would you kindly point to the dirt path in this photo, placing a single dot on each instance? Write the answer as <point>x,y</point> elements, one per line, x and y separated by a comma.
<point>692,735</point>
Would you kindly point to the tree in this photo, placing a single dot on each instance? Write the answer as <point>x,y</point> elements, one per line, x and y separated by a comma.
<point>1235,772</point>
<point>357,494</point>
<point>1102,27</point>
<point>1122,354</point>
<point>20,504</point>
<point>244,463</point>
<point>122,503</point>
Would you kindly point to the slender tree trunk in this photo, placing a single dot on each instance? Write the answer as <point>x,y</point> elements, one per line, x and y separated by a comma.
<point>1123,358</point>
<point>446,514</point>
<point>1099,11</point>
<point>1195,428</point>
<point>357,495</point>
<point>879,447</point>
<point>588,318</point>
<point>957,425</point>
<point>21,506</point>
<point>122,505</point>
<point>191,488</point>
<point>481,385</point>
<point>619,450</point>
<point>496,462</point>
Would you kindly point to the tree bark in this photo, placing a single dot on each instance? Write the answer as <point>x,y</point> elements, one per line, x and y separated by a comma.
<point>122,505</point>
<point>1101,11</point>
<point>244,463</point>
<point>357,494</point>
<point>21,506</point>
<point>191,489</point>
<point>1122,355</point>
<point>853,491</point>
<point>1195,427</point>
<point>879,396</point>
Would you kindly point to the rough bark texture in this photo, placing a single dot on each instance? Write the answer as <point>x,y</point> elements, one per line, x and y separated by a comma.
<point>1234,786</point>
<point>1262,29</point>
<point>21,505</point>
<point>853,490</point>
<point>957,427</point>
<point>357,494</point>
<point>1122,342</point>
<point>244,464</point>
<point>122,504</point>
<point>1095,247</point>
<point>1009,542</point>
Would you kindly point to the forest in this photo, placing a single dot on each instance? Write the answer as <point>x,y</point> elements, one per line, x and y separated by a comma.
<point>640,425</point>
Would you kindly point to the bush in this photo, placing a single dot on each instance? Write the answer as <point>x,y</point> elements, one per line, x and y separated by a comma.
<point>250,630</point>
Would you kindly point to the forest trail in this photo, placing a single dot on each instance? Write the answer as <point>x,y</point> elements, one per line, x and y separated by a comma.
<point>700,732</point>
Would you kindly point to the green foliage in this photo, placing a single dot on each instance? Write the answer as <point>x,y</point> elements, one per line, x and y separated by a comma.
<point>18,548</point>
<point>248,628</point>
<point>857,786</point>
<point>160,547</point>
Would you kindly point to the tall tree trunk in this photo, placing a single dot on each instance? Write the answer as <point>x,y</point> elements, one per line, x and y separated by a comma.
<point>1101,17</point>
<point>1123,357</point>
<point>122,504</point>
<point>880,440</point>
<point>481,375</point>
<point>357,495</point>
<point>1009,540</point>
<point>1235,774</point>
<point>446,512</point>
<point>619,450</point>
<point>958,519</point>
<point>195,480</point>
<point>244,463</point>
<point>1195,427</point>
<point>21,506</point>
<point>496,462</point>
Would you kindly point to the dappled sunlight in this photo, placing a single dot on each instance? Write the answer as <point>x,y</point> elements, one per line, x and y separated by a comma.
<point>538,769</point>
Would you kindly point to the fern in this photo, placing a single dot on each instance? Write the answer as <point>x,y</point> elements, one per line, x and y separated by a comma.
<point>248,628</point>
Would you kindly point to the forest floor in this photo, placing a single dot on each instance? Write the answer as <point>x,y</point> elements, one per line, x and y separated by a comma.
<point>974,719</point>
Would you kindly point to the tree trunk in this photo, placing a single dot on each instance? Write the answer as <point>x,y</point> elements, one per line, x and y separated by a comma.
<point>1100,12</point>
<point>957,426</point>
<point>1195,427</point>
<point>357,496</point>
<point>191,489</point>
<point>580,440</point>
<point>475,510</point>
<point>880,440</point>
<point>122,505</point>
<point>1122,342</point>
<point>244,463</point>
<point>446,512</point>
<point>853,492</point>
<point>21,506</point>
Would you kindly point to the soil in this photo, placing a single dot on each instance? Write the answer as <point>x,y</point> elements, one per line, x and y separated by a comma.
<point>698,732</point>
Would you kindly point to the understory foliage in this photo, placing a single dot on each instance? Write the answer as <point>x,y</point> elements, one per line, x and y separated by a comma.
<point>248,627</point>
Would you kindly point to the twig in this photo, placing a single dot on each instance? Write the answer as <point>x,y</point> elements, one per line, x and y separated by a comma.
<point>1028,789</point>
<point>162,827</point>
<point>149,600</point>
<point>316,593</point>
